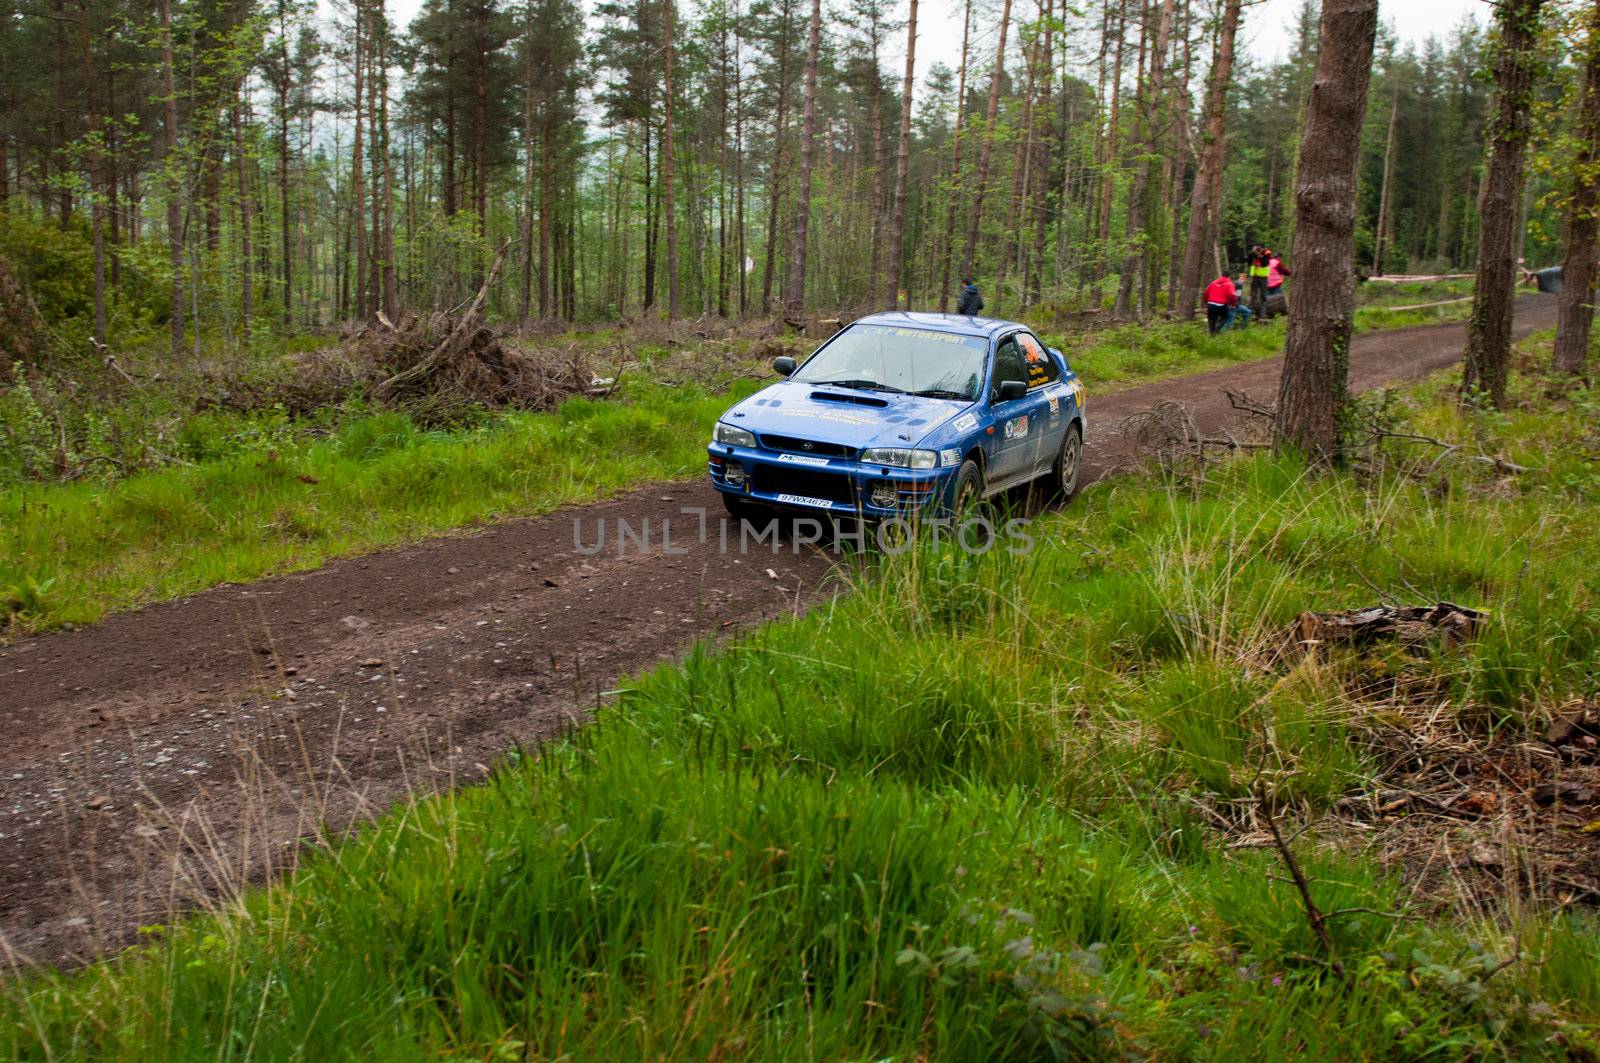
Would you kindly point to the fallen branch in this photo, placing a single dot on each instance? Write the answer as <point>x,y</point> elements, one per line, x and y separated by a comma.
<point>1314,916</point>
<point>1240,401</point>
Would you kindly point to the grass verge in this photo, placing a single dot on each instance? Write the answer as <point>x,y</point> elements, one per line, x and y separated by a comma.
<point>986,807</point>
<point>71,553</point>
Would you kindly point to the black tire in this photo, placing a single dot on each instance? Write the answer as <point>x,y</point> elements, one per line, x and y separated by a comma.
<point>1069,463</point>
<point>738,508</point>
<point>966,491</point>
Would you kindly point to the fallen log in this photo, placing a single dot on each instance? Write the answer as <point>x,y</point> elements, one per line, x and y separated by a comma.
<point>1408,625</point>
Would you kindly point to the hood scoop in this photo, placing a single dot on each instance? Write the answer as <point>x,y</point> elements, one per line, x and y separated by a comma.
<point>849,400</point>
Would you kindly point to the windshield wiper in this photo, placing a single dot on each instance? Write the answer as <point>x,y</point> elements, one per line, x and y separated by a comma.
<point>941,393</point>
<point>865,385</point>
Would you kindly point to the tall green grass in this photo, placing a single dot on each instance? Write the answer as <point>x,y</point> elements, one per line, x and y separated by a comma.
<point>967,812</point>
<point>370,482</point>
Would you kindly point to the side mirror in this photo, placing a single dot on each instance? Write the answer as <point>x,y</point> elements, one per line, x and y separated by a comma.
<point>783,365</point>
<point>1012,389</point>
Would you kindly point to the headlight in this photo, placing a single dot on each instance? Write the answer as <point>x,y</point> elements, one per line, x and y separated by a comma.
<point>733,437</point>
<point>901,458</point>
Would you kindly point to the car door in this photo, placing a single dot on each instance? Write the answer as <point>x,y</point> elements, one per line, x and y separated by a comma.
<point>1053,397</point>
<point>1015,422</point>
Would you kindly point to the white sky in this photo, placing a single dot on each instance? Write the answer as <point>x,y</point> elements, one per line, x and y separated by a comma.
<point>1268,26</point>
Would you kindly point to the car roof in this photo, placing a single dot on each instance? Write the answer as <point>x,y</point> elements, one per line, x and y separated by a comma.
<point>961,324</point>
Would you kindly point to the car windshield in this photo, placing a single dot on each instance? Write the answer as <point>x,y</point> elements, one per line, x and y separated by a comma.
<point>891,358</point>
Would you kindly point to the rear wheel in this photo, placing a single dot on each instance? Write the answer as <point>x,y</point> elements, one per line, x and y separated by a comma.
<point>1064,474</point>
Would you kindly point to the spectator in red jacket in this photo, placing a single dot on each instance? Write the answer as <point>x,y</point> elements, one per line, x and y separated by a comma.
<point>1222,299</point>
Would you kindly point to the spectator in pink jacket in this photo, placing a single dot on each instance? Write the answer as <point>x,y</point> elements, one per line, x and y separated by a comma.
<point>1276,271</point>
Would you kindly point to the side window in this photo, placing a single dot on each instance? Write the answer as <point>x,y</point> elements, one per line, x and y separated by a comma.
<point>1009,363</point>
<point>1042,368</point>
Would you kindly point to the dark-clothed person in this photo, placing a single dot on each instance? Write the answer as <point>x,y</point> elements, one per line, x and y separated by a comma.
<point>971,302</point>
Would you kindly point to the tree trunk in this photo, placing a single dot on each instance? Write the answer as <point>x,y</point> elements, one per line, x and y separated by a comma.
<point>1205,202</point>
<point>1382,234</point>
<point>794,296</point>
<point>525,235</point>
<point>1316,368</point>
<point>875,263</point>
<point>358,199</point>
<point>779,164</point>
<point>981,182</point>
<point>174,179</point>
<point>247,297</point>
<point>668,150</point>
<point>1033,276</point>
<point>1575,314</point>
<point>1108,163</point>
<point>1022,162</point>
<point>1488,359</point>
<point>955,165</point>
<point>1138,195</point>
<point>738,179</point>
<point>902,170</point>
<point>286,230</point>
<point>91,129</point>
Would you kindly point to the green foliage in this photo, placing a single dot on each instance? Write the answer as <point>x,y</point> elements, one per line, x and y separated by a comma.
<point>56,268</point>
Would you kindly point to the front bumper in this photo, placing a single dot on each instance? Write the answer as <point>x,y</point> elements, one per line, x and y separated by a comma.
<point>842,486</point>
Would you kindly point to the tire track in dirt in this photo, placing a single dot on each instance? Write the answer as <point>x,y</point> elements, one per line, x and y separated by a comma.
<point>158,760</point>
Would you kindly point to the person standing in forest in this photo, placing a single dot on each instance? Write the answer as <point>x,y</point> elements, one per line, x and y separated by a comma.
<point>1276,272</point>
<point>971,301</point>
<point>1260,268</point>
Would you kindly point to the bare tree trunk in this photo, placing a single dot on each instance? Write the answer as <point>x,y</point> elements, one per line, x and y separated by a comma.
<point>174,177</point>
<point>794,296</point>
<point>779,163</point>
<point>981,181</point>
<point>358,199</point>
<point>247,298</point>
<point>1021,170</point>
<point>897,224</point>
<point>389,281</point>
<point>1033,272</point>
<point>1382,234</point>
<point>91,129</point>
<point>955,165</point>
<point>1108,181</point>
<point>1205,202</point>
<point>1576,311</point>
<point>668,150</point>
<point>525,235</point>
<point>1138,195</point>
<point>875,263</point>
<point>1488,359</point>
<point>738,180</point>
<point>1316,367</point>
<point>286,229</point>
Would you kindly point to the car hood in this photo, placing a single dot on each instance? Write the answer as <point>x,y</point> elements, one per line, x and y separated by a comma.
<point>845,416</point>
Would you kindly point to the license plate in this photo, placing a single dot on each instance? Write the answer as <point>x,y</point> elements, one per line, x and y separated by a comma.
<point>802,459</point>
<point>804,500</point>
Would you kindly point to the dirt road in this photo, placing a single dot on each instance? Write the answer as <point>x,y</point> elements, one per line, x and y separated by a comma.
<point>165,756</point>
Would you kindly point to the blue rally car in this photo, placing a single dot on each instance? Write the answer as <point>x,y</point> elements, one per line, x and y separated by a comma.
<point>904,413</point>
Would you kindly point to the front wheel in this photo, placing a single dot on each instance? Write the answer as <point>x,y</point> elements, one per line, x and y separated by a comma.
<point>967,490</point>
<point>1064,474</point>
<point>737,506</point>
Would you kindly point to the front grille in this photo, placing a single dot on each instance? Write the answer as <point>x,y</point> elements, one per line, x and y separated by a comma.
<point>777,480</point>
<point>807,446</point>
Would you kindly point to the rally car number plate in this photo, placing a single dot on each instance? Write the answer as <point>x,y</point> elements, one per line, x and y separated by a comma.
<point>804,500</point>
